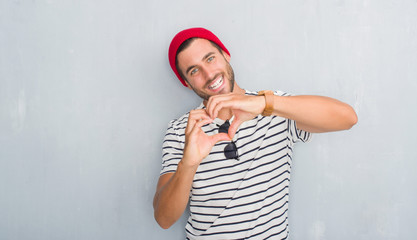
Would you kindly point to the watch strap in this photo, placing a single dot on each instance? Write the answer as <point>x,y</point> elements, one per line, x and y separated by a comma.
<point>269,102</point>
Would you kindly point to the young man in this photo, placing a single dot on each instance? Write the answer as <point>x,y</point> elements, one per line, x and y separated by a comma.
<point>230,159</point>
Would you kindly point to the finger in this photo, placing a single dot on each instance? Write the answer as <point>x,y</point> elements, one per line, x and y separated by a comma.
<point>198,114</point>
<point>213,101</point>
<point>197,126</point>
<point>210,103</point>
<point>234,127</point>
<point>217,103</point>
<point>215,110</point>
<point>219,137</point>
<point>203,122</point>
<point>195,116</point>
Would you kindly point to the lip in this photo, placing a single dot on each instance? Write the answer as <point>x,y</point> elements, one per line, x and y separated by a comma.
<point>217,89</point>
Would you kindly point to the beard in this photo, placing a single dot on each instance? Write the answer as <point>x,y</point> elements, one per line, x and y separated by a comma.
<point>229,76</point>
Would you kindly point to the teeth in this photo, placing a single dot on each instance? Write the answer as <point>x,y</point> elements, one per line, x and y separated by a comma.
<point>216,84</point>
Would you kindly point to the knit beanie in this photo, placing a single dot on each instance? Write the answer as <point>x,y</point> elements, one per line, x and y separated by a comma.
<point>183,36</point>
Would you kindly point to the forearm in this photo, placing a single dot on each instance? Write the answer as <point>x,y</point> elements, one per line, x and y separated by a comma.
<point>315,113</point>
<point>172,197</point>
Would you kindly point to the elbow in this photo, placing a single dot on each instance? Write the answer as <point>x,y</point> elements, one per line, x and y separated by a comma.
<point>351,118</point>
<point>354,119</point>
<point>162,221</point>
<point>164,215</point>
<point>164,225</point>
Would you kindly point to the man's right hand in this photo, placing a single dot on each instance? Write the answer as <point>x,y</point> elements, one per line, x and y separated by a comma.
<point>197,143</point>
<point>173,189</point>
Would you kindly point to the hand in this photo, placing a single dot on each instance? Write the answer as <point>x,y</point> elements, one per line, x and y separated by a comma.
<point>197,143</point>
<point>243,107</point>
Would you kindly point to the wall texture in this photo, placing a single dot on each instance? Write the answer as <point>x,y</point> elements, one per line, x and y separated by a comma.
<point>86,94</point>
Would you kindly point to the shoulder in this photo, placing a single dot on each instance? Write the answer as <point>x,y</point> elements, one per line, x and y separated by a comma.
<point>181,122</point>
<point>178,125</point>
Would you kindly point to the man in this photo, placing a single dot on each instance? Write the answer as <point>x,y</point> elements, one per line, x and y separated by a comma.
<point>230,159</point>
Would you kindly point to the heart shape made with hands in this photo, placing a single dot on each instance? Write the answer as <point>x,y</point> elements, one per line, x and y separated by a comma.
<point>241,106</point>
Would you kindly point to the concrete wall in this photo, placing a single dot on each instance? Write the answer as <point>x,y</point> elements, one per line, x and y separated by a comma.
<point>86,94</point>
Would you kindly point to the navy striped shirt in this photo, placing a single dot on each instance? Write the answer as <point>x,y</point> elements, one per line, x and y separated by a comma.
<point>245,198</point>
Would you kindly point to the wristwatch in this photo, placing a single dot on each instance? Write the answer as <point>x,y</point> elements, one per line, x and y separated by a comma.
<point>269,102</point>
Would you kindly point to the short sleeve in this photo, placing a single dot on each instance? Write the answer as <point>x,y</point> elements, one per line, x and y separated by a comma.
<point>295,134</point>
<point>172,149</point>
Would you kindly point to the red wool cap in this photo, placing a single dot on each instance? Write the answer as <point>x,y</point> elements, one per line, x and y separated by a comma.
<point>183,36</point>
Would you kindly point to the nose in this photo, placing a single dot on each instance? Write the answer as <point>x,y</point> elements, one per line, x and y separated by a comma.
<point>208,72</point>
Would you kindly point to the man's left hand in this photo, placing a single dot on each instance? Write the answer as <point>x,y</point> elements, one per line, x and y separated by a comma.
<point>243,107</point>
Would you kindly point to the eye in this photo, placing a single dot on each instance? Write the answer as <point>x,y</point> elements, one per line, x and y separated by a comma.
<point>194,71</point>
<point>210,59</point>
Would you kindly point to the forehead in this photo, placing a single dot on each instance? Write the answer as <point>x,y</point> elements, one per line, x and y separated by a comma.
<point>195,51</point>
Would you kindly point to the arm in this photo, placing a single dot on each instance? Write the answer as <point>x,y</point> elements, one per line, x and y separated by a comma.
<point>315,113</point>
<point>173,189</point>
<point>311,113</point>
<point>172,195</point>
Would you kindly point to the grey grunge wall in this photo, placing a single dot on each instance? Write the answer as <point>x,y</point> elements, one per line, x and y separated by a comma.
<point>86,94</point>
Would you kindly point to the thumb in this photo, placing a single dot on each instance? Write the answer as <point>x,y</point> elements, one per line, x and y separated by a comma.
<point>219,137</point>
<point>234,126</point>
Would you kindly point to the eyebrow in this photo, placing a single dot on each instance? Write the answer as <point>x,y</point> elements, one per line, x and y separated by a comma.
<point>204,58</point>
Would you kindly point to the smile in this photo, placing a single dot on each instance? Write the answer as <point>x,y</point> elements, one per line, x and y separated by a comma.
<point>216,84</point>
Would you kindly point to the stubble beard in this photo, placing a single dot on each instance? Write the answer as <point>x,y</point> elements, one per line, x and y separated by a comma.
<point>231,79</point>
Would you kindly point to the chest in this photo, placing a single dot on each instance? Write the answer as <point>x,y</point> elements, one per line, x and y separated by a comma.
<point>263,151</point>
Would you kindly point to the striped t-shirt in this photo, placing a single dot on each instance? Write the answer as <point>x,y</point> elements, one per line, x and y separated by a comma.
<point>244,198</point>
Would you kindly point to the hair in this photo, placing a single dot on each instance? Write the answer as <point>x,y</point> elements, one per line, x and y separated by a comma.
<point>183,46</point>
